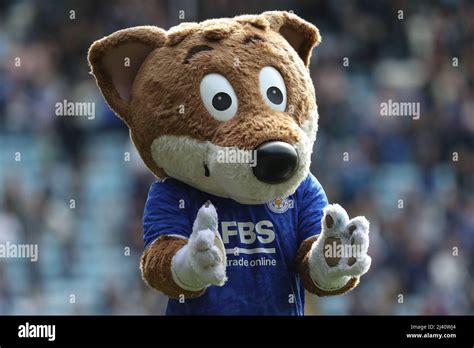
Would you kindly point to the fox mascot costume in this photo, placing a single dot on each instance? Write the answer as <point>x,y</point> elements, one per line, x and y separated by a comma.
<point>225,236</point>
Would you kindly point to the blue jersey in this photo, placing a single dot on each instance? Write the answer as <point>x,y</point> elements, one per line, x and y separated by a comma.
<point>261,243</point>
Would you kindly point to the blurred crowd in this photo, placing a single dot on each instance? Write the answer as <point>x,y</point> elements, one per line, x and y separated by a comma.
<point>76,187</point>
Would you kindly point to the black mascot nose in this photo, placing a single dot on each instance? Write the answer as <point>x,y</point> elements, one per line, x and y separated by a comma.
<point>276,162</point>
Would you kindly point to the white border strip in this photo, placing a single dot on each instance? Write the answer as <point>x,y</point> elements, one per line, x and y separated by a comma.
<point>236,251</point>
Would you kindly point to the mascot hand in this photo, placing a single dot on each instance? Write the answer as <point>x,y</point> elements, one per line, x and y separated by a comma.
<point>340,252</point>
<point>201,262</point>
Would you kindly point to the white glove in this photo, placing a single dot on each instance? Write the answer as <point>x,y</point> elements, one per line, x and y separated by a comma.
<point>330,270</point>
<point>201,262</point>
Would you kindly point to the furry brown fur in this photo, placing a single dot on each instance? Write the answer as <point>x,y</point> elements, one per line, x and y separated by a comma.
<point>156,267</point>
<point>156,63</point>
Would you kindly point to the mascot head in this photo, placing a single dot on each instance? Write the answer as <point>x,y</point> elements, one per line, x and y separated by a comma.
<point>226,106</point>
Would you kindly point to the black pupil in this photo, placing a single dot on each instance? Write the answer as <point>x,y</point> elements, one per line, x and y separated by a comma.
<point>221,101</point>
<point>274,95</point>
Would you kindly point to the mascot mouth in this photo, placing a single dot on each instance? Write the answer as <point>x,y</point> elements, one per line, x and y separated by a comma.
<point>206,171</point>
<point>272,169</point>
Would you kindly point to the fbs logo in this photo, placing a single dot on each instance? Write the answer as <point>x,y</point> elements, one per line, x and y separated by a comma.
<point>252,237</point>
<point>280,205</point>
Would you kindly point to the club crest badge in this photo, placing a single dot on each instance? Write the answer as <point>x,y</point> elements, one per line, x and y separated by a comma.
<point>280,205</point>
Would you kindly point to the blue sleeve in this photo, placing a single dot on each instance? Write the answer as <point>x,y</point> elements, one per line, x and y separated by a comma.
<point>312,201</point>
<point>164,213</point>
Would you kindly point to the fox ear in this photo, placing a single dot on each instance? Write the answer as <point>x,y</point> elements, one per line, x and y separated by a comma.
<point>116,59</point>
<point>301,35</point>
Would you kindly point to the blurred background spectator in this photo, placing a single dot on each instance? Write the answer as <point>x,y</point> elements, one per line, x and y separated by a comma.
<point>76,187</point>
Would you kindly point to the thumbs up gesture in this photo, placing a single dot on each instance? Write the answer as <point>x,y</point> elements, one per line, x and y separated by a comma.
<point>201,262</point>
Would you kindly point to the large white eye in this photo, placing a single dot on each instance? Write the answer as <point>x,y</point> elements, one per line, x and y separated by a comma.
<point>272,88</point>
<point>218,97</point>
